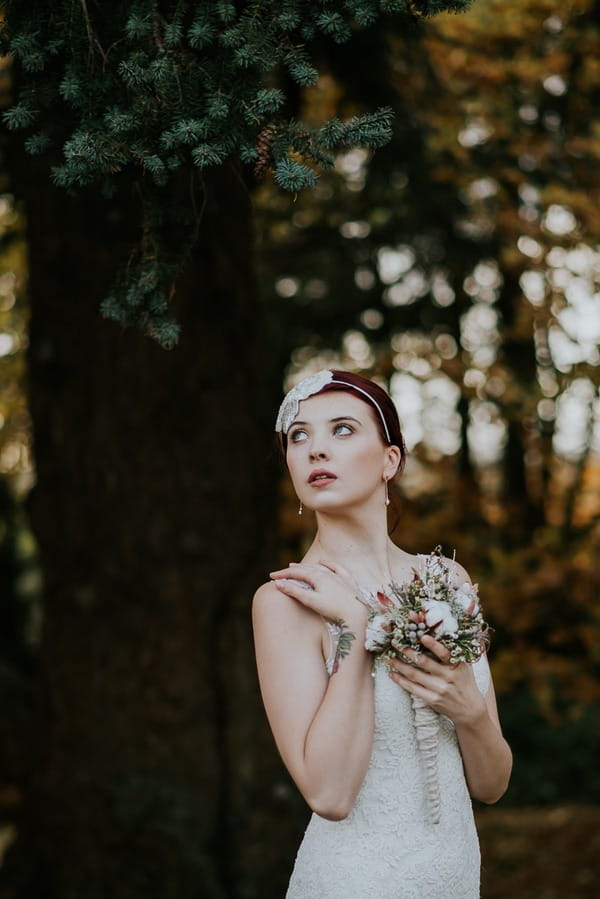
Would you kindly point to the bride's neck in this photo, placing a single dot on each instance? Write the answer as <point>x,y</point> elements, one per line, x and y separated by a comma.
<point>363,547</point>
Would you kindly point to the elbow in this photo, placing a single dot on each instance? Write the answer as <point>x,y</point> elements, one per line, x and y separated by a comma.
<point>332,808</point>
<point>332,801</point>
<point>492,792</point>
<point>331,812</point>
<point>491,797</point>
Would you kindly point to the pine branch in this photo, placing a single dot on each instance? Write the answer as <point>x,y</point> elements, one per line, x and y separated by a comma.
<point>143,89</point>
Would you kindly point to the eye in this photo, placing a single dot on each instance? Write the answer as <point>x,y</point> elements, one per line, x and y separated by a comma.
<point>342,430</point>
<point>297,436</point>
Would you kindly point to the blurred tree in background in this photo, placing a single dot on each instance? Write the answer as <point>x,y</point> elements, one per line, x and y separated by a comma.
<point>460,264</point>
<point>154,500</point>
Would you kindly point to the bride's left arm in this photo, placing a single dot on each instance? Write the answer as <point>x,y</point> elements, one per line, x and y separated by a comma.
<point>487,758</point>
<point>453,691</point>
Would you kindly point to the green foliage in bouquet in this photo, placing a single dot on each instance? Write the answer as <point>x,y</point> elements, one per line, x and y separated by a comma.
<point>431,603</point>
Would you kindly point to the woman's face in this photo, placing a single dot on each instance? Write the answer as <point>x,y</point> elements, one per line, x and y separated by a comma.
<point>335,453</point>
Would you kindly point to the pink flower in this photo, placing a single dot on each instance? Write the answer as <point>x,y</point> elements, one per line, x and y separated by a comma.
<point>384,600</point>
<point>467,599</point>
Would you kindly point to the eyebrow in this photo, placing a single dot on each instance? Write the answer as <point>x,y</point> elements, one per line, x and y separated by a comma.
<point>331,420</point>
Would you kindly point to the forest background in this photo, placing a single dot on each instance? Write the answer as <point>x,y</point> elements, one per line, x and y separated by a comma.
<point>142,500</point>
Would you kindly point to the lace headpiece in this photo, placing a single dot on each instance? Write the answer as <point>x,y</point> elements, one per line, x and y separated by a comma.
<point>314,384</point>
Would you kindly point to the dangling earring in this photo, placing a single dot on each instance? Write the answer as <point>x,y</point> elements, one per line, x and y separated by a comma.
<point>387,495</point>
<point>300,509</point>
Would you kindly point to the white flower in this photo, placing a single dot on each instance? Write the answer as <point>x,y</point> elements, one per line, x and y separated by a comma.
<point>376,635</point>
<point>467,598</point>
<point>434,565</point>
<point>439,615</point>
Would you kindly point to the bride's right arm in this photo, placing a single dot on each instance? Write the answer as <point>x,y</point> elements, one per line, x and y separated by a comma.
<point>323,726</point>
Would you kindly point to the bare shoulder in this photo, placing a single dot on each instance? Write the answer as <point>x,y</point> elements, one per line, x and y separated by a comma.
<point>271,603</point>
<point>265,594</point>
<point>460,574</point>
<point>280,622</point>
<point>404,564</point>
<point>414,562</point>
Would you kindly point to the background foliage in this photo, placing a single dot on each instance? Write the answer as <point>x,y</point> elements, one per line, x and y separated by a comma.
<point>461,265</point>
<point>155,89</point>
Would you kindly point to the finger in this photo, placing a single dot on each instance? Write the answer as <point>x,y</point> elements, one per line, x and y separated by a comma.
<point>301,572</point>
<point>303,566</point>
<point>337,569</point>
<point>295,589</point>
<point>427,673</point>
<point>438,649</point>
<point>411,658</point>
<point>404,671</point>
<point>297,577</point>
<point>415,688</point>
<point>403,667</point>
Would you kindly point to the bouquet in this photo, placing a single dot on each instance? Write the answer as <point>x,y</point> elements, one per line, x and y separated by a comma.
<point>431,603</point>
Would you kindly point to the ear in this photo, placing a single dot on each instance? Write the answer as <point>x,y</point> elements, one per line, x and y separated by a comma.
<point>392,461</point>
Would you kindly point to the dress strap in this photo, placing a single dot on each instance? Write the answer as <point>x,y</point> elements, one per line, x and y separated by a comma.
<point>483,677</point>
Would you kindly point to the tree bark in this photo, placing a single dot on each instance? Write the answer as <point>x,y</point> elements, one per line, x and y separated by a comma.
<point>152,508</point>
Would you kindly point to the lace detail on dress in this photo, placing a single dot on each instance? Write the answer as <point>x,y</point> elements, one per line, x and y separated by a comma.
<point>386,848</point>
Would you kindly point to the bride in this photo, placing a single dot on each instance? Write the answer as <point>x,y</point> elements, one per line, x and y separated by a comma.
<point>342,723</point>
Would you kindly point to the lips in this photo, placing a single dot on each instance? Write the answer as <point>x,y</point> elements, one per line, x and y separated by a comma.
<point>321,477</point>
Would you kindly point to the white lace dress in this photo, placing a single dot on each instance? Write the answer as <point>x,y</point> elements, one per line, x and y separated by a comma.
<point>386,848</point>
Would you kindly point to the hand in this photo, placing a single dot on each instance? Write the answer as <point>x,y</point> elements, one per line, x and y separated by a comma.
<point>330,590</point>
<point>449,689</point>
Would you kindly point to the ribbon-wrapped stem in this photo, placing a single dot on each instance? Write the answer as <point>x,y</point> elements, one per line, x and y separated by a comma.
<point>427,725</point>
<point>434,603</point>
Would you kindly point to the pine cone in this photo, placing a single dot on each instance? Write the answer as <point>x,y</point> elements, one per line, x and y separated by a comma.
<point>264,143</point>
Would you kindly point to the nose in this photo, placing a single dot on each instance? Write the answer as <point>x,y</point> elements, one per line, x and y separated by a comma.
<point>317,455</point>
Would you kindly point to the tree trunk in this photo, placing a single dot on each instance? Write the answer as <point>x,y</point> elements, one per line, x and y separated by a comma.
<point>153,505</point>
